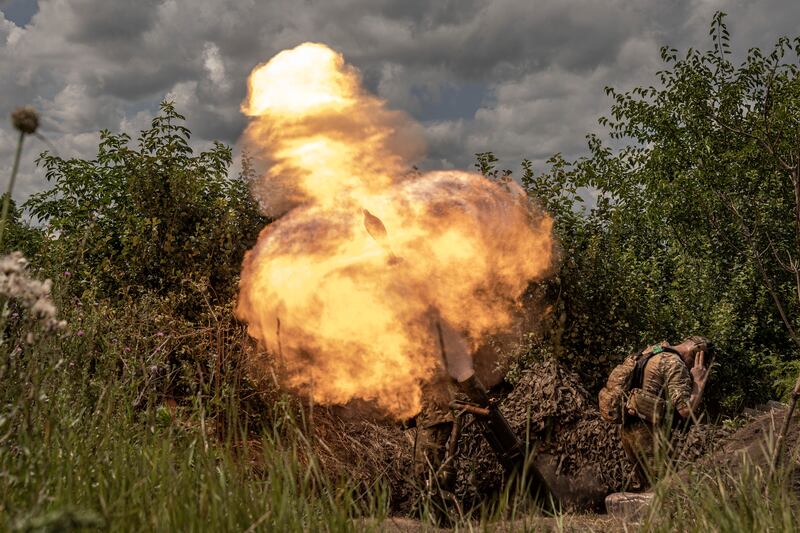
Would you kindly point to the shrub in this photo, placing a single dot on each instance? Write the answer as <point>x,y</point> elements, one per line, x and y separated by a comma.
<point>154,217</point>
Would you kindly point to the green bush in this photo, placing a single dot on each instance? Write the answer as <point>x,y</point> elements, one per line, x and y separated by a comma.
<point>19,234</point>
<point>150,218</point>
<point>691,227</point>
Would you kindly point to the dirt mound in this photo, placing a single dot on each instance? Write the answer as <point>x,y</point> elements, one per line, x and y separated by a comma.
<point>699,441</point>
<point>752,444</point>
<point>367,452</point>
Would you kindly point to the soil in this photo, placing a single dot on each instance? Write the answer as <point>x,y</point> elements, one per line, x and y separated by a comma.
<point>576,523</point>
<point>749,447</point>
<point>750,441</point>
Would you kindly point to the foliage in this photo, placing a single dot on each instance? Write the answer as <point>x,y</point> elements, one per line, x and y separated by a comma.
<point>155,217</point>
<point>692,227</point>
<point>717,151</point>
<point>19,234</point>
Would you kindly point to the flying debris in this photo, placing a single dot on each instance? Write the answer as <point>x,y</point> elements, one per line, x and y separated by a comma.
<point>377,231</point>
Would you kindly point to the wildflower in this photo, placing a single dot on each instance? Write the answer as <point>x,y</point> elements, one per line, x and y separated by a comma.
<point>160,334</point>
<point>25,120</point>
<point>30,293</point>
<point>13,263</point>
<point>67,273</point>
<point>43,308</point>
<point>79,333</point>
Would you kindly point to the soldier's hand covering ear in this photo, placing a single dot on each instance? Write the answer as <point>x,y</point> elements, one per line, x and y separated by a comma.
<point>699,370</point>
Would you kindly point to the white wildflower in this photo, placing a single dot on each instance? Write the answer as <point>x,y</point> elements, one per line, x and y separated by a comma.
<point>43,309</point>
<point>30,293</point>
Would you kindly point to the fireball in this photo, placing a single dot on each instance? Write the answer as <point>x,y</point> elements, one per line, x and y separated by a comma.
<point>368,260</point>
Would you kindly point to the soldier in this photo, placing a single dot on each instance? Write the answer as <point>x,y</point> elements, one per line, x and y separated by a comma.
<point>666,380</point>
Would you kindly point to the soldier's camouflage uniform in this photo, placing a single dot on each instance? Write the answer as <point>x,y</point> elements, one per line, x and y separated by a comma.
<point>668,377</point>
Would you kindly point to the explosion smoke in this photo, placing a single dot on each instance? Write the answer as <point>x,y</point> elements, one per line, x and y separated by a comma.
<point>370,263</point>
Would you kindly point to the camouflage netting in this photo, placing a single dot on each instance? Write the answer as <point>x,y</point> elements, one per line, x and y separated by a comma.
<point>578,452</point>
<point>549,404</point>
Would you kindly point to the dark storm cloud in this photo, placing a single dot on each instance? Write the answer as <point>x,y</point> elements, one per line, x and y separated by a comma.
<point>112,27</point>
<point>479,39</point>
<point>522,78</point>
<point>134,81</point>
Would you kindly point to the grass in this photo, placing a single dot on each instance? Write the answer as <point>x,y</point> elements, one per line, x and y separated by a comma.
<point>77,453</point>
<point>151,474</point>
<point>79,449</point>
<point>752,499</point>
<point>730,491</point>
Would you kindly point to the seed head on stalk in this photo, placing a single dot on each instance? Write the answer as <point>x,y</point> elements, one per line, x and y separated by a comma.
<point>26,121</point>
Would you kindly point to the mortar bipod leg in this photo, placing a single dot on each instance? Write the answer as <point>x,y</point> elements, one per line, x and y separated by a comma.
<point>447,472</point>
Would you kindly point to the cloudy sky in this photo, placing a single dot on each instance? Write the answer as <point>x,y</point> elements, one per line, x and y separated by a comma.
<point>523,78</point>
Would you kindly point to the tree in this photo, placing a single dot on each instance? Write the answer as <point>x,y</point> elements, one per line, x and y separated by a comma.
<point>695,226</point>
<point>718,148</point>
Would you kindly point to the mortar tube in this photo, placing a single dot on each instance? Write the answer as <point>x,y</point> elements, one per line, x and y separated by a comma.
<point>474,390</point>
<point>504,442</point>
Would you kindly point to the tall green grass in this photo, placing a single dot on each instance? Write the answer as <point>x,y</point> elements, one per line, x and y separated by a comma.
<point>739,492</point>
<point>750,499</point>
<point>80,449</point>
<point>77,451</point>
